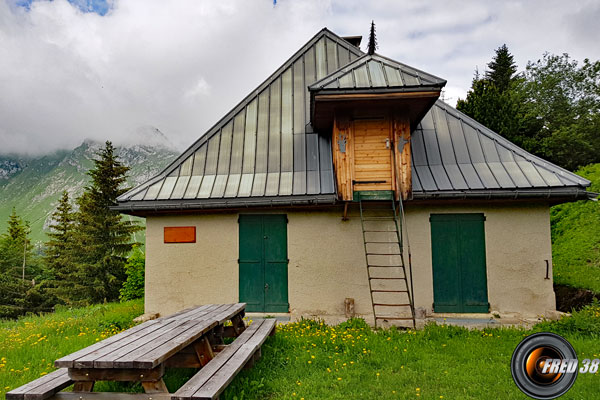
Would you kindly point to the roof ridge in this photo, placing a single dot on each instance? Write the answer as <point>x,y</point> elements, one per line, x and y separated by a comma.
<point>365,58</point>
<point>214,129</point>
<point>510,146</point>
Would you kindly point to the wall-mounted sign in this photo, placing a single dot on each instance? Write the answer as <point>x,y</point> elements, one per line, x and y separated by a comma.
<point>180,234</point>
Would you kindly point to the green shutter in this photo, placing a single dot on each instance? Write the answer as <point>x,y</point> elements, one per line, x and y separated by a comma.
<point>459,265</point>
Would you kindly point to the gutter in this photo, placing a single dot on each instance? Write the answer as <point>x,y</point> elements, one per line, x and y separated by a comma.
<point>566,193</point>
<point>203,204</point>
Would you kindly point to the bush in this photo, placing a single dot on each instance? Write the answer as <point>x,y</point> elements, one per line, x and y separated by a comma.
<point>133,287</point>
<point>585,322</point>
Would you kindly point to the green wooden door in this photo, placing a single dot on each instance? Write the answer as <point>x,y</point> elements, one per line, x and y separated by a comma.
<point>459,267</point>
<point>263,263</point>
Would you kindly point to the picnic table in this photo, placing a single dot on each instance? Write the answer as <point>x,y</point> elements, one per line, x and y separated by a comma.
<point>192,338</point>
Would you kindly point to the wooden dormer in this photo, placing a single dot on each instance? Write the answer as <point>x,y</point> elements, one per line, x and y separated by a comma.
<point>370,107</point>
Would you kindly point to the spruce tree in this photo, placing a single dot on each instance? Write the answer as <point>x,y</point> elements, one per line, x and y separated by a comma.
<point>502,69</point>
<point>102,237</point>
<point>65,279</point>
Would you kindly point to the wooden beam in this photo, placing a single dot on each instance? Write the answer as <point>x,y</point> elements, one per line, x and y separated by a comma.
<point>402,152</point>
<point>83,386</point>
<point>204,351</point>
<point>116,374</point>
<point>375,96</point>
<point>109,396</point>
<point>155,387</point>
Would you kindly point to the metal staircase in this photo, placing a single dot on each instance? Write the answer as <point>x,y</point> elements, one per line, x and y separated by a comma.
<point>391,292</point>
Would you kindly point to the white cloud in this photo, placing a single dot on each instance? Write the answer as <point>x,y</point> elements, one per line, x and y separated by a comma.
<point>180,65</point>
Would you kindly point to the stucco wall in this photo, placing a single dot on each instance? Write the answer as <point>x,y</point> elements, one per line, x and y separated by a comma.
<point>327,261</point>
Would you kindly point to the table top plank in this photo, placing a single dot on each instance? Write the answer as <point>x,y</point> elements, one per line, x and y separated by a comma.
<point>68,360</point>
<point>107,359</point>
<point>232,311</point>
<point>154,357</point>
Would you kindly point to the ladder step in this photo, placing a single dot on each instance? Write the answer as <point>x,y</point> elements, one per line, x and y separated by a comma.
<point>384,254</point>
<point>368,231</point>
<point>388,291</point>
<point>379,219</point>
<point>402,279</point>
<point>395,242</point>
<point>385,266</point>
<point>391,305</point>
<point>396,318</point>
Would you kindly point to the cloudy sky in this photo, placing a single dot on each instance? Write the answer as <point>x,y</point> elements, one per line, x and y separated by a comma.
<point>101,69</point>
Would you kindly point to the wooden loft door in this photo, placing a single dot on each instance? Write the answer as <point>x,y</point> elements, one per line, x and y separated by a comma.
<point>373,156</point>
<point>365,152</point>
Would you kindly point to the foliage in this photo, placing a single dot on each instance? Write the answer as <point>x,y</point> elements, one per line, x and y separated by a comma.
<point>133,287</point>
<point>502,69</point>
<point>102,236</point>
<point>20,271</point>
<point>60,255</point>
<point>565,98</point>
<point>552,109</point>
<point>576,238</point>
<point>585,322</point>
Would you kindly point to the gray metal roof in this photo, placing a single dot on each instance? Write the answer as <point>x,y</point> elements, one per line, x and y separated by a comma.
<point>264,147</point>
<point>452,153</point>
<point>375,71</point>
<point>264,152</point>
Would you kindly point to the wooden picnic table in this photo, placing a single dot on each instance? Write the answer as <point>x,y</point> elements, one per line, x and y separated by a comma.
<point>188,339</point>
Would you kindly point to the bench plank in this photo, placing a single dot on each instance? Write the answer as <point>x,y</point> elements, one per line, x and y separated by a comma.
<point>42,388</point>
<point>202,376</point>
<point>219,381</point>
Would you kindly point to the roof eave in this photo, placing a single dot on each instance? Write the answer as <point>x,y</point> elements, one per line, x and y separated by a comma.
<point>142,207</point>
<point>565,194</point>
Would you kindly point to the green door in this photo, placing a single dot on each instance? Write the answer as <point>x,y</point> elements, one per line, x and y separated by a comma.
<point>459,269</point>
<point>264,263</point>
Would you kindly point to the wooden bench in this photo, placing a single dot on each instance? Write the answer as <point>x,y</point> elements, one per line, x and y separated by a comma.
<point>211,380</point>
<point>42,388</point>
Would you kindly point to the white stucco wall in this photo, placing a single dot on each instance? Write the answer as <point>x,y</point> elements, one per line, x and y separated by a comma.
<point>327,260</point>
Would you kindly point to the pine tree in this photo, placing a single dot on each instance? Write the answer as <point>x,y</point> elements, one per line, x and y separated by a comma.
<point>502,69</point>
<point>102,237</point>
<point>65,281</point>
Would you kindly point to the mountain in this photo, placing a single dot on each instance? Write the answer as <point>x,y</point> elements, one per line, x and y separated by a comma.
<point>33,185</point>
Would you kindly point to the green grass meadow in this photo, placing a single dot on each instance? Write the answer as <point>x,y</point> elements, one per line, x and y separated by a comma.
<point>312,360</point>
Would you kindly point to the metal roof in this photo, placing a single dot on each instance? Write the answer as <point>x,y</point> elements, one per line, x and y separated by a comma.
<point>264,152</point>
<point>375,71</point>
<point>265,146</point>
<point>452,153</point>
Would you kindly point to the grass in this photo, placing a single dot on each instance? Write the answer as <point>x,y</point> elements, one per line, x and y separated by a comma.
<point>29,346</point>
<point>576,238</point>
<point>312,360</point>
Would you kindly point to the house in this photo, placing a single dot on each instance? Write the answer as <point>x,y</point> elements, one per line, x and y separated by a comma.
<point>343,186</point>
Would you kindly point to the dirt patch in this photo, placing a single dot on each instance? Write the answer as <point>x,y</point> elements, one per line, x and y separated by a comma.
<point>569,298</point>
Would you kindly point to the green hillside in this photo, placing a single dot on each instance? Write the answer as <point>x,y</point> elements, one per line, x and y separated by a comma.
<point>32,185</point>
<point>576,238</point>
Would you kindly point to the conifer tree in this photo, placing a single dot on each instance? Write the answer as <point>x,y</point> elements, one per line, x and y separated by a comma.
<point>502,69</point>
<point>102,237</point>
<point>66,280</point>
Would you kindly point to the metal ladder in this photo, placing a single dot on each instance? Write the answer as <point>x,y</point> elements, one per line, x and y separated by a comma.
<point>391,295</point>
